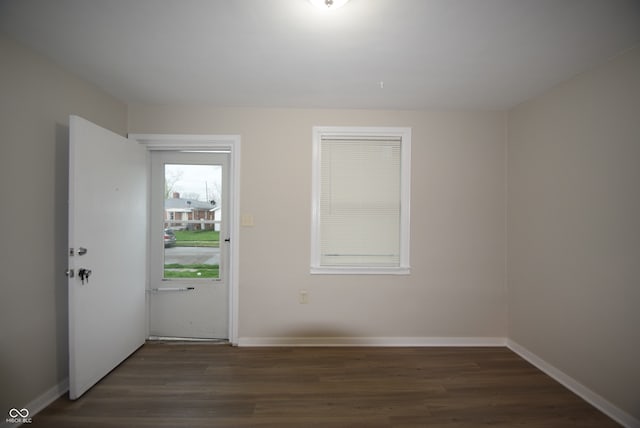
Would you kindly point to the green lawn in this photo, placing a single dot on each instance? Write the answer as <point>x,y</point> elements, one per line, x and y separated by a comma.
<point>196,270</point>
<point>197,238</point>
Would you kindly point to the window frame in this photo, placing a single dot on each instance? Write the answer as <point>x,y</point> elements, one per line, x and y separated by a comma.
<point>350,132</point>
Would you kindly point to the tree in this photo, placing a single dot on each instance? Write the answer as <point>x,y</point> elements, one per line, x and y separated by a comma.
<point>214,192</point>
<point>170,180</point>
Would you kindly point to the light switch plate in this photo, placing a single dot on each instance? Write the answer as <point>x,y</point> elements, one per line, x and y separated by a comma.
<point>246,220</point>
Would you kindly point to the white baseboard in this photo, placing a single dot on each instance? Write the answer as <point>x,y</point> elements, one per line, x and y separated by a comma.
<point>40,403</point>
<point>48,397</point>
<point>570,383</point>
<point>372,341</point>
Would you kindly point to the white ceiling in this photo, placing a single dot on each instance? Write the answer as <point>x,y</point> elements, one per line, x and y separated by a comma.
<point>451,54</point>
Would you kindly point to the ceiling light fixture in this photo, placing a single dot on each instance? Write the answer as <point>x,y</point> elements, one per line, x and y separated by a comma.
<point>328,4</point>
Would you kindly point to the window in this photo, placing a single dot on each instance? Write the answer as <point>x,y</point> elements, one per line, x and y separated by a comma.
<point>360,206</point>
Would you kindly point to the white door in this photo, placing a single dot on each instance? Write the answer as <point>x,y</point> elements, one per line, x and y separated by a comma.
<point>189,267</point>
<point>108,237</point>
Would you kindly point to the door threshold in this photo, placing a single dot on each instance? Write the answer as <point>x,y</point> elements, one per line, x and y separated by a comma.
<point>190,340</point>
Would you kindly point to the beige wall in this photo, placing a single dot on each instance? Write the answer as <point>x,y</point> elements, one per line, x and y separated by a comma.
<point>574,229</point>
<point>35,102</point>
<point>457,285</point>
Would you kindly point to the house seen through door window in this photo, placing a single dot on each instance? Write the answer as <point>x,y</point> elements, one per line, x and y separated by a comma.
<point>192,221</point>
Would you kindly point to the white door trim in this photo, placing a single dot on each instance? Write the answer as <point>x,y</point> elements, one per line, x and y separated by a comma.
<point>204,142</point>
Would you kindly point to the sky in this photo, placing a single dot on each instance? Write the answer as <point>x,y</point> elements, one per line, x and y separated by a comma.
<point>194,181</point>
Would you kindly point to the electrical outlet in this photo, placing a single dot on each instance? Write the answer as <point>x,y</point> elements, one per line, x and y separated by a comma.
<point>303,297</point>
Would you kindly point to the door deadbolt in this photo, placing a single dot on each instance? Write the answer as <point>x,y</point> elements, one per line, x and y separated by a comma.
<point>81,251</point>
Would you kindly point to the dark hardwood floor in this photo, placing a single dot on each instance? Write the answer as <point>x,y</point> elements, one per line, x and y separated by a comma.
<point>196,385</point>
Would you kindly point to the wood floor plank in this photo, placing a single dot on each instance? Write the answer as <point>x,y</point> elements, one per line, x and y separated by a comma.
<point>185,385</point>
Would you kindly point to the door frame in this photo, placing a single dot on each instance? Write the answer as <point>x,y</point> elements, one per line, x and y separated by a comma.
<point>206,142</point>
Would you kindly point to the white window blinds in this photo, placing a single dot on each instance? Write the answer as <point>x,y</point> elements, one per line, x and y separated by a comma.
<point>359,218</point>
<point>359,202</point>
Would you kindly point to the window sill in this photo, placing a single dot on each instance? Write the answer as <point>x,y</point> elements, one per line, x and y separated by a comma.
<point>324,270</point>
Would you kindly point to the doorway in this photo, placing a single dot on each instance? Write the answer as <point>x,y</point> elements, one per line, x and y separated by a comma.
<point>193,252</point>
<point>189,237</point>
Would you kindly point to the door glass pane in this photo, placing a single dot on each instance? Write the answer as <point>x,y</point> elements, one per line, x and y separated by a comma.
<point>192,221</point>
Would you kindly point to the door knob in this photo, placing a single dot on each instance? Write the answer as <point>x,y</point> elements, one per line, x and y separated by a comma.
<point>84,274</point>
